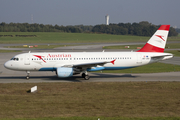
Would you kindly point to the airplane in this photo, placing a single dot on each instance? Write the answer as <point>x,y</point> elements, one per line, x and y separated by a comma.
<point>67,64</point>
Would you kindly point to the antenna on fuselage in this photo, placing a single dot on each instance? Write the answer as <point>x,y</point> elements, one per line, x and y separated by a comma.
<point>29,51</point>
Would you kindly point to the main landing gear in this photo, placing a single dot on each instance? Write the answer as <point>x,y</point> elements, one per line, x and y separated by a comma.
<point>27,77</point>
<point>85,75</point>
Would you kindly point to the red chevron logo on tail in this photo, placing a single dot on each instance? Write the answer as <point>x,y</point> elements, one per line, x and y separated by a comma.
<point>160,36</point>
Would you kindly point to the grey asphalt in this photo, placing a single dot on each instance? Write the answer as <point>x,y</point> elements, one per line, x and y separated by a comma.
<point>94,77</point>
<point>9,76</point>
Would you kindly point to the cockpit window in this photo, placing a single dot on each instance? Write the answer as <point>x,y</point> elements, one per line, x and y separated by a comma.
<point>15,59</point>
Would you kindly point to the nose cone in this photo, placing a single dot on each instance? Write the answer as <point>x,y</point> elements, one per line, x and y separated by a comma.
<point>8,65</point>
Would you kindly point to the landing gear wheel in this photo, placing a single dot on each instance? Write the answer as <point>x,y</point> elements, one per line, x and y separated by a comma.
<point>86,77</point>
<point>27,77</point>
<point>83,75</point>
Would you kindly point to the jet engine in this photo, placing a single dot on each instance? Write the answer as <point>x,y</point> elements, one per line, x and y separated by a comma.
<point>63,72</point>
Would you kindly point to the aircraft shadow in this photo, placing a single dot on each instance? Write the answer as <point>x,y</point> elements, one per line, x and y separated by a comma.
<point>104,75</point>
<point>76,78</point>
<point>42,78</point>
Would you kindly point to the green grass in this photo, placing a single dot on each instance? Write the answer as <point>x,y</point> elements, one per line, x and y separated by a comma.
<point>173,46</point>
<point>7,51</point>
<point>74,101</point>
<point>174,52</point>
<point>56,37</point>
<point>168,46</point>
<point>39,46</point>
<point>150,68</point>
<point>42,46</point>
<point>122,47</point>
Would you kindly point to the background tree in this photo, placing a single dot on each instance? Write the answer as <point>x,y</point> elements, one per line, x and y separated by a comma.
<point>143,28</point>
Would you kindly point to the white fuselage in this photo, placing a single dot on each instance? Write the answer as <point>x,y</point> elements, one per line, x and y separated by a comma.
<point>51,61</point>
<point>67,64</point>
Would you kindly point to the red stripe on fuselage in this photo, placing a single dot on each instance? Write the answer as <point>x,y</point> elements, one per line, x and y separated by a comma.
<point>150,48</point>
<point>40,57</point>
<point>164,27</point>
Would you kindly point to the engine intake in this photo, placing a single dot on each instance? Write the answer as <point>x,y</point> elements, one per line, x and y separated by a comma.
<point>63,72</point>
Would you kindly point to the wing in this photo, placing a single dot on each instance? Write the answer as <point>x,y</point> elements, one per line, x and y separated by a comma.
<point>90,64</point>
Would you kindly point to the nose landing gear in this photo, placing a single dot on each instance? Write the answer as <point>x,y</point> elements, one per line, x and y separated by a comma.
<point>27,77</point>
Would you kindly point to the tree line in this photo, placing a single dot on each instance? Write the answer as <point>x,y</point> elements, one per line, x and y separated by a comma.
<point>178,30</point>
<point>143,28</point>
<point>26,27</point>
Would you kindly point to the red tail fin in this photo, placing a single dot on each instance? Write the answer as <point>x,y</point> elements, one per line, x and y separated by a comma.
<point>158,41</point>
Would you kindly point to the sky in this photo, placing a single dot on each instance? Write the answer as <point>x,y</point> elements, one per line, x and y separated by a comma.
<point>90,12</point>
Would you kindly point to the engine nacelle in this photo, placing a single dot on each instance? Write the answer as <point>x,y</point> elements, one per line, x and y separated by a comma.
<point>63,72</point>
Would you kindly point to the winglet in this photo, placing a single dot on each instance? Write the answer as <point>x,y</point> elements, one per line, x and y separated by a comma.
<point>157,42</point>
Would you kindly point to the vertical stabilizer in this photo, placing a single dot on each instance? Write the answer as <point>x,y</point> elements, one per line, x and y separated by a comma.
<point>157,42</point>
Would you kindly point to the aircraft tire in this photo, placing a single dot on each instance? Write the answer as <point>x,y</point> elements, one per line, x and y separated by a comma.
<point>27,77</point>
<point>86,77</point>
<point>83,75</point>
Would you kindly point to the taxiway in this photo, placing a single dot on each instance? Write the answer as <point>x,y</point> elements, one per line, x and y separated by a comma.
<point>9,76</point>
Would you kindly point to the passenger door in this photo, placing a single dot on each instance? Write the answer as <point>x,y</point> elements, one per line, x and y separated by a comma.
<point>27,59</point>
